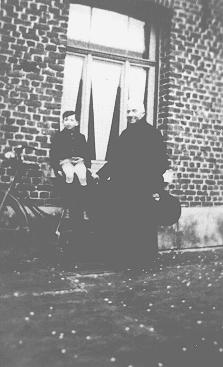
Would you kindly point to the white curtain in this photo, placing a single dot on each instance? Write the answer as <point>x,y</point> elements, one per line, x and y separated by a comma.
<point>136,84</point>
<point>105,82</point>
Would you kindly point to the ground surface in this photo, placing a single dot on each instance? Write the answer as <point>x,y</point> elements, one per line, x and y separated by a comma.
<point>90,315</point>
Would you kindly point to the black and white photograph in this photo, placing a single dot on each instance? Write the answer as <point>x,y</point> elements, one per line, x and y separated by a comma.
<point>111,183</point>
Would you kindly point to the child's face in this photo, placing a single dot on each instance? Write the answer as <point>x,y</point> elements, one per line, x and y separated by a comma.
<point>70,122</point>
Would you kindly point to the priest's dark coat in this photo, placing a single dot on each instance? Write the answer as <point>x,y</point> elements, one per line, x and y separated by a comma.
<point>135,169</point>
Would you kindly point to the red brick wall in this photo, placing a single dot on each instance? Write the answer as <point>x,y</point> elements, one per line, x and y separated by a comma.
<point>190,107</point>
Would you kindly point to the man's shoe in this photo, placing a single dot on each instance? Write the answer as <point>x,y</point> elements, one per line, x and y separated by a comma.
<point>85,216</point>
<point>66,224</point>
<point>66,214</point>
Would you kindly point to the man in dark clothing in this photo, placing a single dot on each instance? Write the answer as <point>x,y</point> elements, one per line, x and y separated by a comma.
<point>135,169</point>
<point>70,160</point>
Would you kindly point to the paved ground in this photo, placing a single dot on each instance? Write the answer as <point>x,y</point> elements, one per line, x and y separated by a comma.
<point>92,315</point>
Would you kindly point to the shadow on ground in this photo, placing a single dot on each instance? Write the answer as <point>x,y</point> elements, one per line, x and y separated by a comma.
<point>67,313</point>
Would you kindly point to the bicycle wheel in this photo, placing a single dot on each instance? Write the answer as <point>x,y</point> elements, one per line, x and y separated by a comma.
<point>13,215</point>
<point>14,232</point>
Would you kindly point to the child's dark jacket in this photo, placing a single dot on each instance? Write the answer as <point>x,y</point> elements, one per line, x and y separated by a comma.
<point>68,144</point>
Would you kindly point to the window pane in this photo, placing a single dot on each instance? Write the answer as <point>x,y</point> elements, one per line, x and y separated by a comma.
<point>136,36</point>
<point>105,82</point>
<point>72,76</point>
<point>98,28</point>
<point>109,29</point>
<point>152,44</point>
<point>79,22</point>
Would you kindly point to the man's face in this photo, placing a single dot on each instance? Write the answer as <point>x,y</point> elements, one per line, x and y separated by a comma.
<point>133,115</point>
<point>70,122</point>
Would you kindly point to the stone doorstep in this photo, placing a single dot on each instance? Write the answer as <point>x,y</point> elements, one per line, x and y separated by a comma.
<point>197,228</point>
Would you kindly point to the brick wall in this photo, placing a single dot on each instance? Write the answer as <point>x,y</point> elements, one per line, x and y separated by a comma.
<point>31,76</point>
<point>191,95</point>
<point>190,107</point>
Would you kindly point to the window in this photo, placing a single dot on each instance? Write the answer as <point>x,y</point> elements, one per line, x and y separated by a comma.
<point>111,58</point>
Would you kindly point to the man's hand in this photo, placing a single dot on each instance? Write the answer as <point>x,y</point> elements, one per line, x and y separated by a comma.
<point>156,196</point>
<point>60,173</point>
<point>168,176</point>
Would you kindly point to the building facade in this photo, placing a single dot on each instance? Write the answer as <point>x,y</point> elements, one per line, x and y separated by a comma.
<point>93,56</point>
